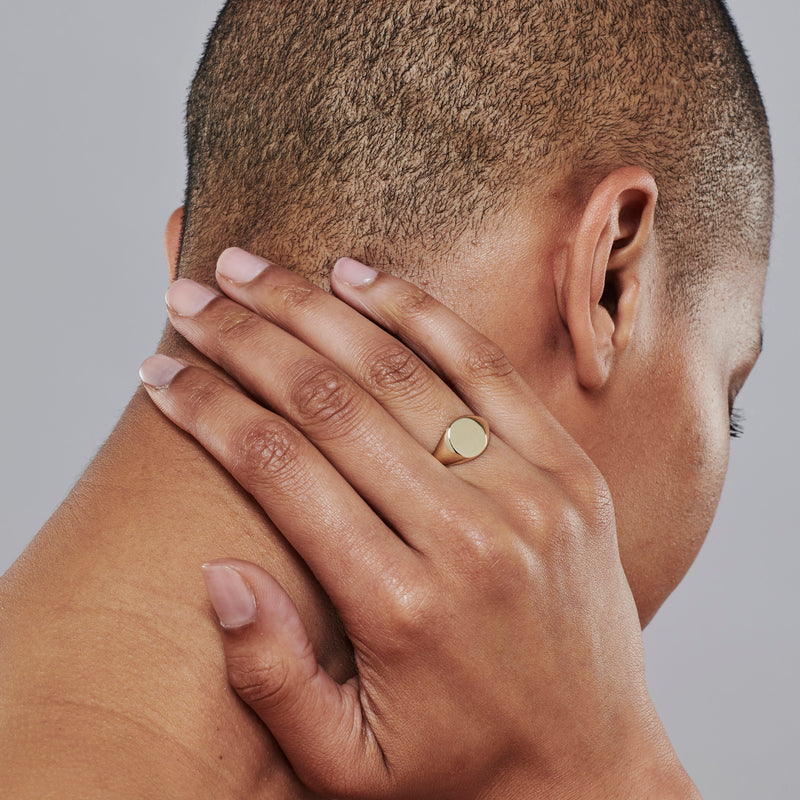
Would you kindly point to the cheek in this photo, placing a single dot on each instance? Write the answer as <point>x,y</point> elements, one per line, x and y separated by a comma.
<point>665,467</point>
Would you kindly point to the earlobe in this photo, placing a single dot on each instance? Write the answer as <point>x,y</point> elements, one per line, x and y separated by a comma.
<point>172,241</point>
<point>599,287</point>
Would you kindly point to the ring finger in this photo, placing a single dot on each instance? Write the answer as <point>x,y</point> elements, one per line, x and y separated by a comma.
<point>370,448</point>
<point>384,367</point>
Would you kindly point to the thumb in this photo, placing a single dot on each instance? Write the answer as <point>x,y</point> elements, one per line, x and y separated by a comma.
<point>318,723</point>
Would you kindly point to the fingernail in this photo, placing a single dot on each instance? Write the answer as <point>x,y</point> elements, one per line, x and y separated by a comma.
<point>231,597</point>
<point>158,371</point>
<point>354,272</point>
<point>240,266</point>
<point>187,298</point>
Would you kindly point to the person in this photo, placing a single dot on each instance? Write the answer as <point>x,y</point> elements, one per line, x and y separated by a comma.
<point>521,548</point>
<point>470,151</point>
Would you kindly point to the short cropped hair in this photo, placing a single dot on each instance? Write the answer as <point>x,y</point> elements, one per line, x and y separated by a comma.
<point>388,130</point>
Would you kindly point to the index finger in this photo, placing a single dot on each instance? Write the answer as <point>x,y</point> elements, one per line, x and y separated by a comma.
<point>403,377</point>
<point>352,553</point>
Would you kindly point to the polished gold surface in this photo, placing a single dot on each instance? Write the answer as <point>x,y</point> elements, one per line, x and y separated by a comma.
<point>464,440</point>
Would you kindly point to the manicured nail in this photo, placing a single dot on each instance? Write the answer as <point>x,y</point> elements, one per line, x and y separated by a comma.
<point>240,266</point>
<point>188,298</point>
<point>354,272</point>
<point>231,597</point>
<point>158,371</point>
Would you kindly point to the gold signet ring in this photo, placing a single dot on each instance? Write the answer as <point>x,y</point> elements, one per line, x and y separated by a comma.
<point>465,439</point>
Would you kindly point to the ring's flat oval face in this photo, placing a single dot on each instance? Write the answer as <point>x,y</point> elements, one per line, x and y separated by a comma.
<point>468,437</point>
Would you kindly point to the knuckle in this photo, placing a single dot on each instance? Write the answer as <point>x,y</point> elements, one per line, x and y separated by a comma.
<point>394,369</point>
<point>406,604</point>
<point>492,556</point>
<point>487,539</point>
<point>297,298</point>
<point>595,497</point>
<point>412,613</point>
<point>235,325</point>
<point>263,683</point>
<point>199,397</point>
<point>484,360</point>
<point>568,506</point>
<point>555,511</point>
<point>325,398</point>
<point>564,526</point>
<point>267,449</point>
<point>508,568</point>
<point>484,548</point>
<point>414,303</point>
<point>481,548</point>
<point>569,524</point>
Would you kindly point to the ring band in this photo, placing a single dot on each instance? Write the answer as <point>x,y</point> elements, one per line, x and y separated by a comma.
<point>464,440</point>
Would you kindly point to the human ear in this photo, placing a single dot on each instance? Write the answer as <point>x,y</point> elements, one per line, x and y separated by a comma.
<point>598,288</point>
<point>172,241</point>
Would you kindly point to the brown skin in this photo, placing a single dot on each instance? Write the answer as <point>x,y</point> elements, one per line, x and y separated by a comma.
<point>550,700</point>
<point>124,550</point>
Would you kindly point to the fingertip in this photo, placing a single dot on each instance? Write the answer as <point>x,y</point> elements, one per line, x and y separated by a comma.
<point>187,298</point>
<point>239,266</point>
<point>272,666</point>
<point>158,371</point>
<point>231,595</point>
<point>354,273</point>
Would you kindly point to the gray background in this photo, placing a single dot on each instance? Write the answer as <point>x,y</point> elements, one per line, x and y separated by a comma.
<point>91,159</point>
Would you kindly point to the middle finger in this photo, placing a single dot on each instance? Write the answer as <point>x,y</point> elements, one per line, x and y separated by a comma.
<point>374,453</point>
<point>382,365</point>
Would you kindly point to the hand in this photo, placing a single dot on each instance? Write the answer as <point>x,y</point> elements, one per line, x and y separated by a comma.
<point>497,643</point>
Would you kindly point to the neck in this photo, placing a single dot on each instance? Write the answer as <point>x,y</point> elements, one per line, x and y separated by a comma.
<point>115,647</point>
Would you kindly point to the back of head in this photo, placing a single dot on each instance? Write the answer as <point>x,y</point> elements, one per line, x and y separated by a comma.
<point>391,130</point>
